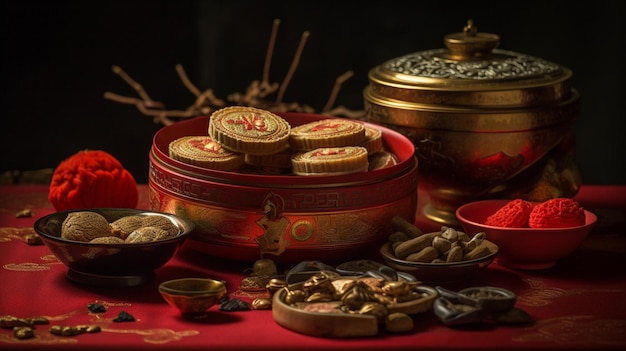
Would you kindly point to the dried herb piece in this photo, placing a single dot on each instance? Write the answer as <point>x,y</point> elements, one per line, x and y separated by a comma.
<point>33,239</point>
<point>235,304</point>
<point>96,307</point>
<point>24,213</point>
<point>124,316</point>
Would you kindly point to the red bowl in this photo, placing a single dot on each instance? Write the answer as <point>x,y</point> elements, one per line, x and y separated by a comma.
<point>524,248</point>
<point>320,217</point>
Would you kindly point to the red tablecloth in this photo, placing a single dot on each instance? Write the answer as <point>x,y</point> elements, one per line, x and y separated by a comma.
<point>578,304</point>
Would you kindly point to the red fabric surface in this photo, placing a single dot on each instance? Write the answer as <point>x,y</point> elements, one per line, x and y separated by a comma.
<point>578,304</point>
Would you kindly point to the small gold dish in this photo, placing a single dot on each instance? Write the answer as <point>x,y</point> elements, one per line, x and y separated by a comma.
<point>193,297</point>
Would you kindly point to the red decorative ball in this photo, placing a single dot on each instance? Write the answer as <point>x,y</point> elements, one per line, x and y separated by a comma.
<point>90,179</point>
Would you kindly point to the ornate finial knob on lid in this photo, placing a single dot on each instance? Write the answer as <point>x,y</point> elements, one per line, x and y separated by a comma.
<point>470,44</point>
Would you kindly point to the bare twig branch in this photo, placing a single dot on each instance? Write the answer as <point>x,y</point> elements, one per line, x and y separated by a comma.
<point>136,86</point>
<point>265,83</point>
<point>292,68</point>
<point>186,81</point>
<point>206,102</point>
<point>333,95</point>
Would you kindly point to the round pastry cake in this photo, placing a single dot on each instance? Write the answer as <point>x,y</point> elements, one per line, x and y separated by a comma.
<point>249,130</point>
<point>331,161</point>
<point>205,152</point>
<point>373,140</point>
<point>334,132</point>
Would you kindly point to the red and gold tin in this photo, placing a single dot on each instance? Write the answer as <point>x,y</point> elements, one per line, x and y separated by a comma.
<point>287,218</point>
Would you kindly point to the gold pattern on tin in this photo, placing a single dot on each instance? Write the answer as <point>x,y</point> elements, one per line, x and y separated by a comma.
<point>274,224</point>
<point>302,230</point>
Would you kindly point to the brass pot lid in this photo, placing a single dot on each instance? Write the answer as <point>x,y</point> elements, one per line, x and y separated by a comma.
<point>469,73</point>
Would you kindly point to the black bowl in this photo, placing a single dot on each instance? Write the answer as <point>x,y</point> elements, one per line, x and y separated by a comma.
<point>120,264</point>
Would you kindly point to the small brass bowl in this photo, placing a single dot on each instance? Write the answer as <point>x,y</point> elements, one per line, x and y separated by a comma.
<point>193,297</point>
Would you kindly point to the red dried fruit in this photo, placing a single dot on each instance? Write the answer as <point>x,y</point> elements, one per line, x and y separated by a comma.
<point>512,215</point>
<point>557,213</point>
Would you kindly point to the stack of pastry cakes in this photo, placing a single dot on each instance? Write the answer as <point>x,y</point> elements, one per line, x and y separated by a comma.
<point>252,140</point>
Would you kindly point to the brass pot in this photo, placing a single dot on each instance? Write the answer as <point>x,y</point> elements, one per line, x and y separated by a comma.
<point>485,122</point>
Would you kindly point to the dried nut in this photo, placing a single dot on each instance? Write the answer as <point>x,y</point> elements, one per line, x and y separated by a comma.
<point>355,298</point>
<point>438,260</point>
<point>398,236</point>
<point>455,254</point>
<point>294,296</point>
<point>261,304</point>
<point>466,245</point>
<point>478,252</point>
<point>33,239</point>
<point>397,288</point>
<point>394,245</point>
<point>24,213</point>
<point>400,224</point>
<point>463,236</point>
<point>441,244</point>
<point>414,245</point>
<point>24,332</point>
<point>478,238</point>
<point>375,309</point>
<point>425,255</point>
<point>398,322</point>
<point>319,296</point>
<point>450,233</point>
<point>74,330</point>
<point>274,285</point>
<point>9,321</point>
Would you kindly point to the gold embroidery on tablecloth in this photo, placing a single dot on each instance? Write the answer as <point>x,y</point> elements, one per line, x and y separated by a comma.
<point>156,335</point>
<point>8,233</point>
<point>26,267</point>
<point>540,295</point>
<point>574,330</point>
<point>49,259</point>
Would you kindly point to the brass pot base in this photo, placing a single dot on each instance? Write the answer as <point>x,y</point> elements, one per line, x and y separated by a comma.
<point>443,217</point>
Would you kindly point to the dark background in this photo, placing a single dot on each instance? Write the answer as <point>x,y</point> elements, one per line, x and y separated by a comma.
<point>57,58</point>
